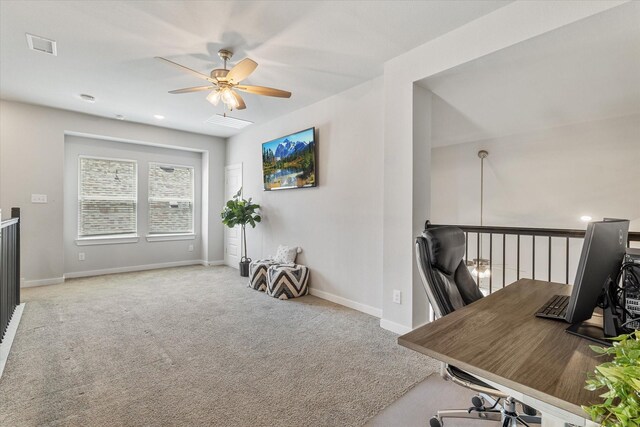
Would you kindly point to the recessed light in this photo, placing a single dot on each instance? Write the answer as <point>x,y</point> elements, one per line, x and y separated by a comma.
<point>158,116</point>
<point>87,98</point>
<point>585,218</point>
<point>119,117</point>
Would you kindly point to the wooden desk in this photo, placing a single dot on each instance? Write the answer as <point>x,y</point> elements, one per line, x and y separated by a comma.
<point>499,339</point>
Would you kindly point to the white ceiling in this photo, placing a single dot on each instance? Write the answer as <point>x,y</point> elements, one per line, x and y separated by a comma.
<point>586,71</point>
<point>106,48</point>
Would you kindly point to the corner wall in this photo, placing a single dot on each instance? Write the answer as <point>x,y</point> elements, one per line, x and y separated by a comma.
<point>508,25</point>
<point>339,223</point>
<point>32,162</point>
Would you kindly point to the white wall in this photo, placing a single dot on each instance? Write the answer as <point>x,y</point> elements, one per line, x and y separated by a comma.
<point>32,162</point>
<point>511,24</point>
<point>421,197</point>
<point>338,224</point>
<point>117,256</point>
<point>381,241</point>
<point>547,178</point>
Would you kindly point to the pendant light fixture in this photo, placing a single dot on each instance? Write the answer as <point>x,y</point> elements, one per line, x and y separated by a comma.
<point>480,266</point>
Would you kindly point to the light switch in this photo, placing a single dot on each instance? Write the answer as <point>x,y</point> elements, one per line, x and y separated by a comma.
<point>38,198</point>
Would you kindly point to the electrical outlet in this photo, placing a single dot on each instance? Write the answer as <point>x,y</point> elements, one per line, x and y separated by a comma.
<point>80,256</point>
<point>38,198</point>
<point>190,248</point>
<point>397,296</point>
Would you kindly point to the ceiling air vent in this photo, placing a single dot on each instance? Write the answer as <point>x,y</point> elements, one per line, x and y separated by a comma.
<point>89,98</point>
<point>40,44</point>
<point>231,122</point>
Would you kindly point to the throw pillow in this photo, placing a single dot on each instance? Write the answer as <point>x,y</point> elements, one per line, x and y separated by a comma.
<point>286,254</point>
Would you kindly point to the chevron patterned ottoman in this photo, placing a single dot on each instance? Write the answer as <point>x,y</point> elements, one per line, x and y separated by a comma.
<point>258,273</point>
<point>286,281</point>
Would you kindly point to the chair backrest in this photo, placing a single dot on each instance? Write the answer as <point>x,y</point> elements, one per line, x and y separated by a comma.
<point>439,255</point>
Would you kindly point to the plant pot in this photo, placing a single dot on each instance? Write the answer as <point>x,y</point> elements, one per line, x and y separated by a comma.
<point>244,267</point>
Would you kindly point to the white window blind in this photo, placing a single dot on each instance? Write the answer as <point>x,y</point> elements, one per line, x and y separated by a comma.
<point>170,199</point>
<point>107,196</point>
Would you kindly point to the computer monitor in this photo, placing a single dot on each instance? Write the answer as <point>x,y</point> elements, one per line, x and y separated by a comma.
<point>603,250</point>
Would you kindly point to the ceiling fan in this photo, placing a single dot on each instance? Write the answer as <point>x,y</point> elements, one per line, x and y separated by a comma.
<point>224,83</point>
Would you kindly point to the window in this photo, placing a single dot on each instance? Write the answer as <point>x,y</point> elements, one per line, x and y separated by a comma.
<point>170,199</point>
<point>107,196</point>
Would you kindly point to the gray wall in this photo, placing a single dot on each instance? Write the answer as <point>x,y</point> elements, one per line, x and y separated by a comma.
<point>99,257</point>
<point>32,162</point>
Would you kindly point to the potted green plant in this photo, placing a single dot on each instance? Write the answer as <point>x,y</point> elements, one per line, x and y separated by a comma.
<point>239,211</point>
<point>620,377</point>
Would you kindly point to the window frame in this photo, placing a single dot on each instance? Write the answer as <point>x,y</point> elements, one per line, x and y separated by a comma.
<point>158,237</point>
<point>99,239</point>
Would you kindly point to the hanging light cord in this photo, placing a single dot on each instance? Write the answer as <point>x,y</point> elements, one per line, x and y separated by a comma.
<point>481,189</point>
<point>482,154</point>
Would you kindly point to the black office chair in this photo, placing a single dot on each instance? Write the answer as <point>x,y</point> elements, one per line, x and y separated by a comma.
<point>450,286</point>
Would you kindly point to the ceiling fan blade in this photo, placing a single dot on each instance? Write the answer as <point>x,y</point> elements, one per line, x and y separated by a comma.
<point>187,69</point>
<point>241,70</point>
<point>241,104</point>
<point>192,89</point>
<point>265,91</point>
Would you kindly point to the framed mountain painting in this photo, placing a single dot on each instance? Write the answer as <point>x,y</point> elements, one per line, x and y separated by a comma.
<point>290,161</point>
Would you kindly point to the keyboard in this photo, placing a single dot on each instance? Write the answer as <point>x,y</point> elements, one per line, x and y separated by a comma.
<point>555,308</point>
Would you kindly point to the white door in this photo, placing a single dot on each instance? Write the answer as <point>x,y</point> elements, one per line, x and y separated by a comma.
<point>232,240</point>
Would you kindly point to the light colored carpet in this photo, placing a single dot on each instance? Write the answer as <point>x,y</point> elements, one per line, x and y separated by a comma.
<point>196,346</point>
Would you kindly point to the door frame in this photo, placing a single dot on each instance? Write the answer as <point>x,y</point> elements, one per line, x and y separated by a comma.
<point>226,229</point>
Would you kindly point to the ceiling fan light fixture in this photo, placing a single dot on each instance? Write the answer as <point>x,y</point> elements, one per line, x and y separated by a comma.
<point>227,96</point>
<point>214,97</point>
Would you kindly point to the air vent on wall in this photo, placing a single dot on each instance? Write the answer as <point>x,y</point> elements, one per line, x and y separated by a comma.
<point>227,121</point>
<point>40,44</point>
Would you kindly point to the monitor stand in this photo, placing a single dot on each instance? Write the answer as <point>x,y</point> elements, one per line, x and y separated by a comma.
<point>600,328</point>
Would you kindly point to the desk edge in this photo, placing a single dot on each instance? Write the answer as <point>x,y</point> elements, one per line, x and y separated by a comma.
<point>536,394</point>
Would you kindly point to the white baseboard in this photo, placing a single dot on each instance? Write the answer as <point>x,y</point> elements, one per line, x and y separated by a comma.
<point>346,302</point>
<point>394,327</point>
<point>213,263</point>
<point>41,282</point>
<point>10,334</point>
<point>57,280</point>
<point>129,269</point>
